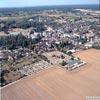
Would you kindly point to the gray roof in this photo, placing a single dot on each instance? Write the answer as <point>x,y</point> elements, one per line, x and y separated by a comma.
<point>72,62</point>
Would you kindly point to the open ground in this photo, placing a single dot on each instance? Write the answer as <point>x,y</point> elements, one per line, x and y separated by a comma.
<point>59,84</point>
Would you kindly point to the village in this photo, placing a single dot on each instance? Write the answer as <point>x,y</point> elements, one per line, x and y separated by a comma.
<point>28,50</point>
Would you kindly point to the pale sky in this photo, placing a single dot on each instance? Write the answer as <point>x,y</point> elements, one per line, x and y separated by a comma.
<point>23,3</point>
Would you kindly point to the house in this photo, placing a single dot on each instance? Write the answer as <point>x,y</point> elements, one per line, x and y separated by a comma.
<point>72,50</point>
<point>74,63</point>
<point>33,35</point>
<point>88,45</point>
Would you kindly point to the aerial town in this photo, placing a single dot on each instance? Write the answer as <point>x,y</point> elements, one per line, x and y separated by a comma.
<point>33,41</point>
<point>43,38</point>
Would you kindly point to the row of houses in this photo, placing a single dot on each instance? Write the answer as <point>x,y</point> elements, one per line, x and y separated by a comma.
<point>8,55</point>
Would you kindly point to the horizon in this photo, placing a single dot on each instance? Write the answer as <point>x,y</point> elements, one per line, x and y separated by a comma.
<point>31,3</point>
<point>52,6</point>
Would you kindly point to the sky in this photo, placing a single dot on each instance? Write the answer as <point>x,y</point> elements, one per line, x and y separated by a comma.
<point>24,3</point>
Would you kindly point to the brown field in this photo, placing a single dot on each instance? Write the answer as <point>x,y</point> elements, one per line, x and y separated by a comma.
<point>58,84</point>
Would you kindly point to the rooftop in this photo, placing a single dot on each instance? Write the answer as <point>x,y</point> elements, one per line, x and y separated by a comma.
<point>72,62</point>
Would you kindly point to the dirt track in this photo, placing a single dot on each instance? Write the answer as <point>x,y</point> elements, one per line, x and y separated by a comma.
<point>59,84</point>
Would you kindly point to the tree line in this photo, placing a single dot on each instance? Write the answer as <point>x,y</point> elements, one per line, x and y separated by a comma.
<point>14,41</point>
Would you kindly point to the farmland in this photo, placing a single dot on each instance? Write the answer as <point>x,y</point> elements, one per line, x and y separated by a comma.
<point>58,84</point>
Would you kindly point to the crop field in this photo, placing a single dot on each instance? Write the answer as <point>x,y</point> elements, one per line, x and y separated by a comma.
<point>58,83</point>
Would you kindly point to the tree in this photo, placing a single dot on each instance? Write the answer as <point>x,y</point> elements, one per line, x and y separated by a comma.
<point>63,63</point>
<point>69,53</point>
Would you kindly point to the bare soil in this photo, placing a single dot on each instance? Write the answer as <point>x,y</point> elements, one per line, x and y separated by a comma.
<point>59,84</point>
